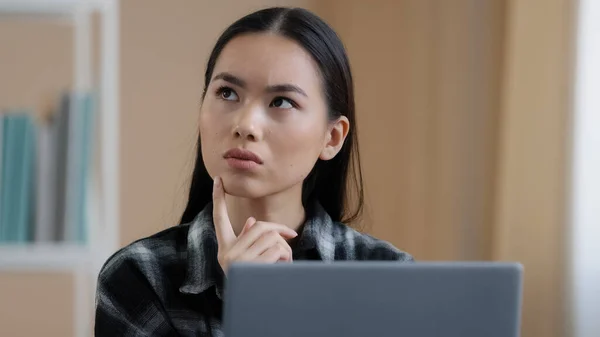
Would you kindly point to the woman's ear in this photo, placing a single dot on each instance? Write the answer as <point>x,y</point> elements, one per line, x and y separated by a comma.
<point>337,132</point>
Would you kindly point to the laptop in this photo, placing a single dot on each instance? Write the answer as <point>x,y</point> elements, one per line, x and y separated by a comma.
<point>364,299</point>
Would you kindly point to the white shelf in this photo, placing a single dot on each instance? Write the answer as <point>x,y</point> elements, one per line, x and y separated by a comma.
<point>83,261</point>
<point>44,257</point>
<point>48,7</point>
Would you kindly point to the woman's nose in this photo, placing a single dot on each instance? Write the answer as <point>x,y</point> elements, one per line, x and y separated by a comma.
<point>245,133</point>
<point>248,124</point>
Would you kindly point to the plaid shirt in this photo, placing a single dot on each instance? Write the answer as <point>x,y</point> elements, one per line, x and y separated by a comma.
<point>170,284</point>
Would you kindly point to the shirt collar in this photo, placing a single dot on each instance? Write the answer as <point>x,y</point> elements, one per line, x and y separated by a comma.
<point>203,269</point>
<point>318,233</point>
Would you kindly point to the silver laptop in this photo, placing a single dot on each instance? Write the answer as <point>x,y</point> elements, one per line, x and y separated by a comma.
<point>364,299</point>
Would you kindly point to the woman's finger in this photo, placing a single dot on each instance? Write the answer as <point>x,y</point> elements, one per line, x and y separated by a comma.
<point>249,223</point>
<point>274,254</point>
<point>225,234</point>
<point>266,241</point>
<point>243,242</point>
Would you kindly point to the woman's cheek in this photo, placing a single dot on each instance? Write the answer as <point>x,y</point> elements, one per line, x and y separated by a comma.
<point>300,150</point>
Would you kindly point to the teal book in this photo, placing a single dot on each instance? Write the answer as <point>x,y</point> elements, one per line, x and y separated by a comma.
<point>10,178</point>
<point>25,224</point>
<point>83,139</point>
<point>4,181</point>
<point>87,141</point>
<point>81,136</point>
<point>2,118</point>
<point>17,178</point>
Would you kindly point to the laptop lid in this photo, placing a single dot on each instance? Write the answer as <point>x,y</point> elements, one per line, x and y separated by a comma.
<point>357,299</point>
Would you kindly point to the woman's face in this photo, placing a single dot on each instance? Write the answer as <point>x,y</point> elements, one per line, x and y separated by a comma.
<point>263,121</point>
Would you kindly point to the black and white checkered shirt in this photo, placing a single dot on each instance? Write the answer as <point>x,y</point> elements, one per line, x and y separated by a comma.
<point>170,284</point>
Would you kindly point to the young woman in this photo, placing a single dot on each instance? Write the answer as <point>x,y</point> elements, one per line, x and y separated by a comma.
<point>276,152</point>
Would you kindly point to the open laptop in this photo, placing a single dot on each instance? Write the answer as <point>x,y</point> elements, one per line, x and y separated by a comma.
<point>364,299</point>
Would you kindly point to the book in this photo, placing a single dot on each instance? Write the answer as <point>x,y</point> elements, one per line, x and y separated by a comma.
<point>87,143</point>
<point>25,225</point>
<point>45,173</point>
<point>78,157</point>
<point>9,179</point>
<point>1,163</point>
<point>4,193</point>
<point>45,222</point>
<point>17,178</point>
<point>60,153</point>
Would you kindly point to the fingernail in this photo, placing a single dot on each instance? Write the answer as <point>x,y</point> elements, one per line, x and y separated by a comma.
<point>217,181</point>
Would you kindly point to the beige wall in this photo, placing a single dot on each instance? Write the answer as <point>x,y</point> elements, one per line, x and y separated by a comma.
<point>534,157</point>
<point>446,99</point>
<point>427,82</point>
<point>36,66</point>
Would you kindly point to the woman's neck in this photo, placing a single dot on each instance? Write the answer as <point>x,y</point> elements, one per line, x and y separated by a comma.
<point>283,208</point>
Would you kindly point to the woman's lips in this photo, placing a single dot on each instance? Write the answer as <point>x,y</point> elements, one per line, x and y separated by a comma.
<point>242,159</point>
<point>241,164</point>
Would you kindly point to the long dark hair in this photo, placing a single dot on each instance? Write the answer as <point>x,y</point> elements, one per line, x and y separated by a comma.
<point>337,183</point>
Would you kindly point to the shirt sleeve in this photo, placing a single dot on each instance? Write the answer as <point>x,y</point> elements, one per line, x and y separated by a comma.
<point>127,304</point>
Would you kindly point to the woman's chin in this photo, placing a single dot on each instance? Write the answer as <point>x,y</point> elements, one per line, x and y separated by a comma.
<point>242,187</point>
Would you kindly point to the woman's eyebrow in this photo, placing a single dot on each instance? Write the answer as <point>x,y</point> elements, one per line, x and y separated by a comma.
<point>227,77</point>
<point>278,88</point>
<point>285,88</point>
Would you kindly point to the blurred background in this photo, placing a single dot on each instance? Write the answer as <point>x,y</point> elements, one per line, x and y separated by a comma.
<point>478,123</point>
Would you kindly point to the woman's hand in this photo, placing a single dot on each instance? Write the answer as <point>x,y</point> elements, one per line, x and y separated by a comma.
<point>259,241</point>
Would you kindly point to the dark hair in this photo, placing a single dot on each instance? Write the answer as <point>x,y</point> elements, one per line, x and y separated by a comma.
<point>337,183</point>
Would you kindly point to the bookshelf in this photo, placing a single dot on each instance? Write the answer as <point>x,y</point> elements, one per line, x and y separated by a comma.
<point>44,257</point>
<point>102,207</point>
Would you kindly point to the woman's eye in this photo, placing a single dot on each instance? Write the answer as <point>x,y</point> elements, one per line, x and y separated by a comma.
<point>283,103</point>
<point>227,94</point>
